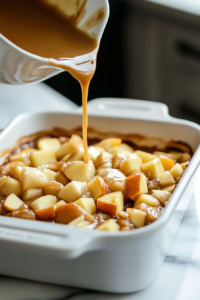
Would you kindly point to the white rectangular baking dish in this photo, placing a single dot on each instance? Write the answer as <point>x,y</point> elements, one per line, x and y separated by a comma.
<point>114,262</point>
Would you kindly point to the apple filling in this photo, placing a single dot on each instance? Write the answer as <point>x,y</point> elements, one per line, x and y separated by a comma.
<point>44,177</point>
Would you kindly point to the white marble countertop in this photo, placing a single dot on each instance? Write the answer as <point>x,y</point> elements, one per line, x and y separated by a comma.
<point>188,6</point>
<point>16,99</point>
<point>179,278</point>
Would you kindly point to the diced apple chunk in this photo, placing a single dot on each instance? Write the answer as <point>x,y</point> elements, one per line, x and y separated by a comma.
<point>52,188</point>
<point>83,224</point>
<point>50,175</point>
<point>54,166</point>
<point>23,156</point>
<point>106,165</point>
<point>87,204</point>
<point>52,144</point>
<point>102,158</point>
<point>42,157</point>
<point>32,178</point>
<point>46,214</point>
<point>166,178</point>
<point>109,143</point>
<point>135,172</point>
<point>177,171</point>
<point>145,156</point>
<point>94,151</point>
<point>75,155</point>
<point>32,193</point>
<point>74,142</point>
<point>126,148</point>
<point>115,150</point>
<point>130,165</point>
<point>184,166</point>
<point>185,157</point>
<point>43,202</point>
<point>69,212</point>
<point>142,207</point>
<point>136,217</point>
<point>114,179</point>
<point>111,204</point>
<point>16,173</point>
<point>118,159</point>
<point>61,178</point>
<point>154,184</point>
<point>170,188</point>
<point>109,225</point>
<point>152,214</point>
<point>97,187</point>
<point>59,203</point>
<point>167,162</point>
<point>62,169</point>
<point>133,155</point>
<point>63,139</point>
<point>76,221</point>
<point>10,167</point>
<point>122,149</point>
<point>80,171</point>
<point>9,186</point>
<point>12,203</point>
<point>161,153</point>
<point>162,196</point>
<point>147,199</point>
<point>74,191</point>
<point>24,213</point>
<point>175,155</point>
<point>136,185</point>
<point>107,208</point>
<point>154,167</point>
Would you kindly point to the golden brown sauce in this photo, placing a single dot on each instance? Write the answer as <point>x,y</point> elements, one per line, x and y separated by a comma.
<point>45,30</point>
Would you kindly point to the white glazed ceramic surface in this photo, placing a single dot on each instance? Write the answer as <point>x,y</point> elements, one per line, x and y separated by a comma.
<point>21,67</point>
<point>114,262</point>
<point>178,278</point>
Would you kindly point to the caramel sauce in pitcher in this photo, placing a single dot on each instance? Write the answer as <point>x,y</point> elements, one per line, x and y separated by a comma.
<point>44,28</point>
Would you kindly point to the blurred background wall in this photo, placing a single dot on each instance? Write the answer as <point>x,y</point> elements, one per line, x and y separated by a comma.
<point>149,52</point>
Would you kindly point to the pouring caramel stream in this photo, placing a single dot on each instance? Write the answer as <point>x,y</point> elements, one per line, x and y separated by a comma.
<point>44,30</point>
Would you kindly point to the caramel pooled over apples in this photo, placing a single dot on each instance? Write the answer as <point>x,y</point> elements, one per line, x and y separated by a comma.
<point>118,189</point>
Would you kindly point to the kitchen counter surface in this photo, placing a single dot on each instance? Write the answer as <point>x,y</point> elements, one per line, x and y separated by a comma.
<point>178,279</point>
<point>191,6</point>
<point>16,99</point>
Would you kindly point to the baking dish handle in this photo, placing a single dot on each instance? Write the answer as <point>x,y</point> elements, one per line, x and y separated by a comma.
<point>70,242</point>
<point>129,108</point>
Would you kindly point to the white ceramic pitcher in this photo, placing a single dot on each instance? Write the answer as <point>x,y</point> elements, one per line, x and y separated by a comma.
<point>18,66</point>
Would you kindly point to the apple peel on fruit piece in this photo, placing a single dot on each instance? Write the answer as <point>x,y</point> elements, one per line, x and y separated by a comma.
<point>111,203</point>
<point>68,212</point>
<point>136,185</point>
<point>98,187</point>
<point>46,214</point>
